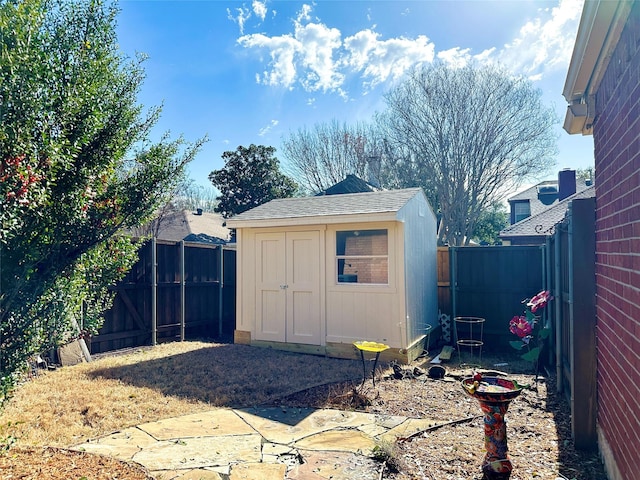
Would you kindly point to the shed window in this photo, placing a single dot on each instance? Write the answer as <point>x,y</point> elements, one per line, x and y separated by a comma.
<point>362,256</point>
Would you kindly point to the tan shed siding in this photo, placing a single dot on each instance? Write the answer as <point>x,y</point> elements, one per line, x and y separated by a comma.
<point>362,311</point>
<point>365,316</point>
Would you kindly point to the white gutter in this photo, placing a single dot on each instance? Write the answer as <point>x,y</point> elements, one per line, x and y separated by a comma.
<point>600,27</point>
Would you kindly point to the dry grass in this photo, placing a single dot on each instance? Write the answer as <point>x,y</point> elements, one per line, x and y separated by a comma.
<point>68,405</point>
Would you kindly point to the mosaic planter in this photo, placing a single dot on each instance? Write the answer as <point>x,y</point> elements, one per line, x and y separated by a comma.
<point>494,396</point>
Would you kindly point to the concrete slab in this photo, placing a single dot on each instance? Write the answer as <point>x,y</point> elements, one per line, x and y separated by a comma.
<point>213,423</point>
<point>202,452</point>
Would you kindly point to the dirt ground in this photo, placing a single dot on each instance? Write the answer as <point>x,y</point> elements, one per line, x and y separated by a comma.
<point>58,408</point>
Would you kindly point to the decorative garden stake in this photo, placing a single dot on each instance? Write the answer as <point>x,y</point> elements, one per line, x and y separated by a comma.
<point>494,395</point>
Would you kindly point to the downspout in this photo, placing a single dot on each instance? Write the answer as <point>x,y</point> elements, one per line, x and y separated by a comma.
<point>558,308</point>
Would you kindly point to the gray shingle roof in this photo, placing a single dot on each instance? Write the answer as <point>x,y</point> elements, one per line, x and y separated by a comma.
<point>543,222</point>
<point>536,203</point>
<point>386,201</point>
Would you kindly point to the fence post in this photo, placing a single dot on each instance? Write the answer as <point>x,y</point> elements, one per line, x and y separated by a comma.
<point>583,322</point>
<point>558,306</point>
<point>183,296</point>
<point>154,288</point>
<point>220,295</point>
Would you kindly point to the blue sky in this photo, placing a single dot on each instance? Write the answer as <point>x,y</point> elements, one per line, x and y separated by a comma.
<point>255,71</point>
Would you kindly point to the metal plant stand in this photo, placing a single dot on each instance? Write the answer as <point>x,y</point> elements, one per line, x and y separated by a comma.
<point>469,332</point>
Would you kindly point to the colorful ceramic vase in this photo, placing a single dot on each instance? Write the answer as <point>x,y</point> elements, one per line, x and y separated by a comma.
<point>494,395</point>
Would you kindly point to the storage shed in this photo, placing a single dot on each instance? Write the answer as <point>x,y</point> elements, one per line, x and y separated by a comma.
<point>316,274</point>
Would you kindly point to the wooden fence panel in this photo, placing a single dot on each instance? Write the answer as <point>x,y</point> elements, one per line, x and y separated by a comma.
<point>491,282</point>
<point>209,302</point>
<point>444,281</point>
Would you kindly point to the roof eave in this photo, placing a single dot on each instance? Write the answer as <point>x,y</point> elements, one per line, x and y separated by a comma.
<point>600,27</point>
<point>314,220</point>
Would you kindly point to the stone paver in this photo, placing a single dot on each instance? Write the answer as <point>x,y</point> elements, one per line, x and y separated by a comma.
<point>275,443</point>
<point>214,423</point>
<point>408,427</point>
<point>200,452</point>
<point>339,440</point>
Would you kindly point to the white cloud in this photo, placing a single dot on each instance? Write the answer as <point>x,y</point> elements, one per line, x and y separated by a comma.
<point>242,15</point>
<point>260,9</point>
<point>459,57</point>
<point>544,44</point>
<point>282,50</point>
<point>318,43</point>
<point>382,60</point>
<point>264,130</point>
<point>315,57</point>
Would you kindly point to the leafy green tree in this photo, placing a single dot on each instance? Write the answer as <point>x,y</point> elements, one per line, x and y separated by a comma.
<point>77,167</point>
<point>489,224</point>
<point>250,177</point>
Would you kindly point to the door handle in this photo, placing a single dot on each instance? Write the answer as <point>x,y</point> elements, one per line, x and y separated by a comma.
<point>284,287</point>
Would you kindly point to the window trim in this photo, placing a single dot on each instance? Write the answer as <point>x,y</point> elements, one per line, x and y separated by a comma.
<point>338,258</point>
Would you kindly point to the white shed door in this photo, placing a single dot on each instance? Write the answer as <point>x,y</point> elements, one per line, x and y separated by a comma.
<point>288,287</point>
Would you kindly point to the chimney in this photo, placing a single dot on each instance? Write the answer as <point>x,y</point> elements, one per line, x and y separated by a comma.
<point>566,183</point>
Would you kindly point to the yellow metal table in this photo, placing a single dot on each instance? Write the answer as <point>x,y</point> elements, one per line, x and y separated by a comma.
<point>372,347</point>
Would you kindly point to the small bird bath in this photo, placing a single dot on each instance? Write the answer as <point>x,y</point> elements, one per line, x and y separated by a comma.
<point>494,395</point>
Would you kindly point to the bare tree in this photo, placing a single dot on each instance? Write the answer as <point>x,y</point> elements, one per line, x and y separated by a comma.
<point>470,136</point>
<point>324,155</point>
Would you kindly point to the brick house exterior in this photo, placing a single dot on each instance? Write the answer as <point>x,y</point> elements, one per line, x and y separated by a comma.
<point>603,89</point>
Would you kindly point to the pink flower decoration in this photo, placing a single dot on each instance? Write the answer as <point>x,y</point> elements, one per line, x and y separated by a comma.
<point>539,301</point>
<point>519,326</point>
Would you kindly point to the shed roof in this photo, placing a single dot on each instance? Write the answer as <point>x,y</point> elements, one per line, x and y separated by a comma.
<point>542,223</point>
<point>382,205</point>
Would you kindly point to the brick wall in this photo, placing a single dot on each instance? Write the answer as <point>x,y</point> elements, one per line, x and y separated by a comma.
<point>370,270</point>
<point>617,178</point>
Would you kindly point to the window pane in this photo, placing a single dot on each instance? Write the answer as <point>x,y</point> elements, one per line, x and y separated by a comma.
<point>521,210</point>
<point>362,256</point>
<point>362,242</point>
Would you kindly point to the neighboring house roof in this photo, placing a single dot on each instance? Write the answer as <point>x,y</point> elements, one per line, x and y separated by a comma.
<point>368,206</point>
<point>351,184</point>
<point>191,227</point>
<point>539,201</point>
<point>543,222</point>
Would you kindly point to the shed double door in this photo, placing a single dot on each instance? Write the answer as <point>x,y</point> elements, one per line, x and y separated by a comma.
<point>288,287</point>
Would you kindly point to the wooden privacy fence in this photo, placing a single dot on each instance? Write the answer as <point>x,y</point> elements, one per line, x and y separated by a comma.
<point>491,282</point>
<point>174,290</point>
<point>570,263</point>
